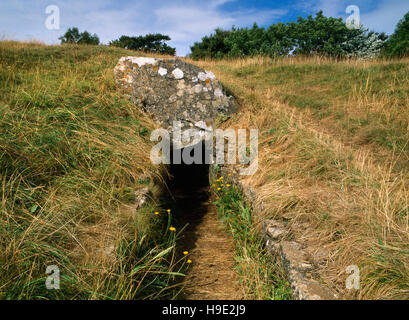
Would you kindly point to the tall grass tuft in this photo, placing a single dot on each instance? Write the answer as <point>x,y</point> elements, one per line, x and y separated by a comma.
<point>333,161</point>
<point>74,155</point>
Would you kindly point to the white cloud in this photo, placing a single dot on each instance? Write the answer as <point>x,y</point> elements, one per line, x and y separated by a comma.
<point>378,15</point>
<point>185,21</point>
<point>386,16</point>
<point>331,8</point>
<point>188,24</point>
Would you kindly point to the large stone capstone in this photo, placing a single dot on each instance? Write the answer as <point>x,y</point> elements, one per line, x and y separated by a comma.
<point>174,90</point>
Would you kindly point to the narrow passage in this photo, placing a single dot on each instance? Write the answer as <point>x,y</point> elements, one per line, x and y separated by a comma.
<point>211,274</point>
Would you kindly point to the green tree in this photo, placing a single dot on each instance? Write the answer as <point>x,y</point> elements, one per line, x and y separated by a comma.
<point>306,36</point>
<point>319,35</point>
<point>153,43</point>
<point>72,35</point>
<point>279,39</point>
<point>398,43</point>
<point>363,44</point>
<point>213,46</point>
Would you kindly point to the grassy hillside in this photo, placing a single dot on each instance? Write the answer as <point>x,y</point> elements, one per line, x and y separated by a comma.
<point>333,161</point>
<point>73,154</point>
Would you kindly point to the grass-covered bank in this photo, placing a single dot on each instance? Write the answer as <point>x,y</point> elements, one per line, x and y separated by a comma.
<point>73,154</point>
<point>362,102</point>
<point>333,161</point>
<point>74,157</point>
<point>260,273</point>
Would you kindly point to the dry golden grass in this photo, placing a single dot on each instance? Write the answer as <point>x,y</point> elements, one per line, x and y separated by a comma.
<point>345,196</point>
<point>73,154</point>
<point>333,163</point>
<point>13,44</point>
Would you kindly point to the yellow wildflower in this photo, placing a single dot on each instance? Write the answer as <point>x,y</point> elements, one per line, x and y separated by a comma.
<point>172,229</point>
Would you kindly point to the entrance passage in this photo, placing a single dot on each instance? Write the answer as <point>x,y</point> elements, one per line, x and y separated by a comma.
<point>211,274</point>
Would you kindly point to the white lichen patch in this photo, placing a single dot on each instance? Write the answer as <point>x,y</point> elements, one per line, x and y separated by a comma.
<point>218,92</point>
<point>121,67</point>
<point>163,72</point>
<point>198,88</point>
<point>210,75</point>
<point>140,61</point>
<point>178,74</point>
<point>203,76</point>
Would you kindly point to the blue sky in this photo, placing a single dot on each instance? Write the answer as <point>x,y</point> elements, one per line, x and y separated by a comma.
<point>185,21</point>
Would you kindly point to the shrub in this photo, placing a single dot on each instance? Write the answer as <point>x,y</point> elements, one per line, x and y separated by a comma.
<point>307,36</point>
<point>398,43</point>
<point>74,36</point>
<point>152,43</point>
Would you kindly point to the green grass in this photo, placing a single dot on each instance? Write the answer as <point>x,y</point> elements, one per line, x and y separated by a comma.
<point>363,101</point>
<point>259,272</point>
<point>73,152</point>
<point>326,89</point>
<point>332,162</point>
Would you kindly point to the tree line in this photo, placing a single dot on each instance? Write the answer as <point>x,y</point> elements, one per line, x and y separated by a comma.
<point>155,43</point>
<point>319,35</point>
<point>151,43</point>
<point>312,35</point>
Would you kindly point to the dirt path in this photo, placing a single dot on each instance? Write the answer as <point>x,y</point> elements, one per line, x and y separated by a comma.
<point>211,275</point>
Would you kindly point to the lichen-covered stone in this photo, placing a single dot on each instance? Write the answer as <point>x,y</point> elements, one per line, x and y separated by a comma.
<point>171,89</point>
<point>299,264</point>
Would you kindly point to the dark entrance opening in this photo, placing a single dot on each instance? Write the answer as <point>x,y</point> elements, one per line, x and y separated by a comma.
<point>189,187</point>
<point>211,274</point>
<point>189,177</point>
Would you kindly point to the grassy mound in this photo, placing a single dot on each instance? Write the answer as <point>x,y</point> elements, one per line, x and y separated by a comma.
<point>74,158</point>
<point>74,154</point>
<point>333,161</point>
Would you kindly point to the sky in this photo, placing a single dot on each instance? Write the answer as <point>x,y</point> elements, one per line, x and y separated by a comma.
<point>185,21</point>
